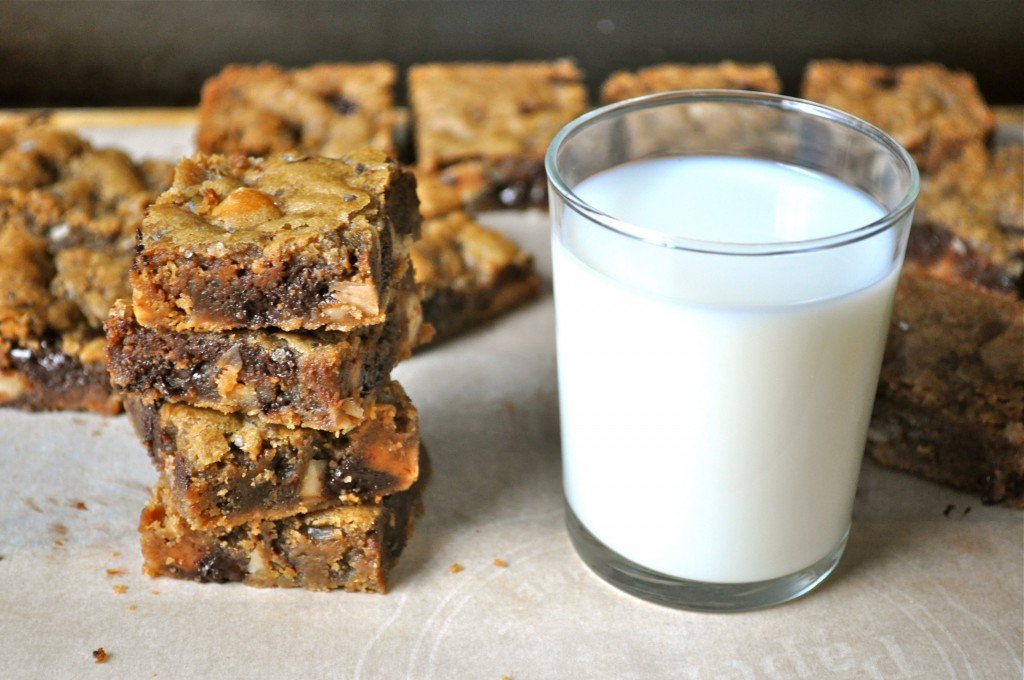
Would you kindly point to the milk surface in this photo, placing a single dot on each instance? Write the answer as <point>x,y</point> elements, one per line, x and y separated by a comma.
<point>714,408</point>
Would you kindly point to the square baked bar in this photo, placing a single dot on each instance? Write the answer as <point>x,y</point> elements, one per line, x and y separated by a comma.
<point>969,219</point>
<point>950,402</point>
<point>50,358</point>
<point>325,109</point>
<point>486,126</point>
<point>319,379</point>
<point>289,242</point>
<point>728,75</point>
<point>468,274</point>
<point>224,469</point>
<point>352,547</point>
<point>931,110</point>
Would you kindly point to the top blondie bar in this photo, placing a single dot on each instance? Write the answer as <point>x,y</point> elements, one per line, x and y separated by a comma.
<point>326,109</point>
<point>289,242</point>
<point>486,126</point>
<point>933,111</point>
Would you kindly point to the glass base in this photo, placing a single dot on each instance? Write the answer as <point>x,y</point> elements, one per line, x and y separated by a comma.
<point>695,595</point>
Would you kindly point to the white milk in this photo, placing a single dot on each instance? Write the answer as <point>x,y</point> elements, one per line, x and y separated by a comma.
<point>713,429</point>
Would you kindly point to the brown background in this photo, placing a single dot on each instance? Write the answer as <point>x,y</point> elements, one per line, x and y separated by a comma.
<point>158,52</point>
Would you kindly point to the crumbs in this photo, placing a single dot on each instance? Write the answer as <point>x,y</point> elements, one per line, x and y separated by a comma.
<point>455,567</point>
<point>100,655</point>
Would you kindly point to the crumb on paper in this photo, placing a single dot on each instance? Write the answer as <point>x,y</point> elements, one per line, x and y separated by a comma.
<point>498,562</point>
<point>100,655</point>
<point>120,589</point>
<point>116,553</point>
<point>59,529</point>
<point>154,592</point>
<point>116,572</point>
<point>132,607</point>
<point>57,542</point>
<point>79,505</point>
<point>455,568</point>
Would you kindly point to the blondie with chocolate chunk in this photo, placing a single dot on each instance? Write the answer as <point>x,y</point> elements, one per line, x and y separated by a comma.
<point>49,358</point>
<point>469,274</point>
<point>224,469</point>
<point>931,110</point>
<point>950,402</point>
<point>351,547</point>
<point>486,126</point>
<point>325,109</point>
<point>728,75</point>
<point>289,242</point>
<point>68,216</point>
<point>319,379</point>
<point>969,219</point>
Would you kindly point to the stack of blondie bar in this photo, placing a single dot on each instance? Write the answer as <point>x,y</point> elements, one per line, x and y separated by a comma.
<point>270,300</point>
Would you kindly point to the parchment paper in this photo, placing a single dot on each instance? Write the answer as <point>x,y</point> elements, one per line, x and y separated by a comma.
<point>931,586</point>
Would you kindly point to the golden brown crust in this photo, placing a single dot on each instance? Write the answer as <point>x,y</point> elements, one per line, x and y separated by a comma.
<point>326,109</point>
<point>729,75</point>
<point>931,110</point>
<point>488,125</point>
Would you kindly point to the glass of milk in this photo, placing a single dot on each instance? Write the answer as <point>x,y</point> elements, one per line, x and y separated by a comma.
<point>724,269</point>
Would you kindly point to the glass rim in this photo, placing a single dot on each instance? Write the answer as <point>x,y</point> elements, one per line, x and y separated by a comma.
<point>782,103</point>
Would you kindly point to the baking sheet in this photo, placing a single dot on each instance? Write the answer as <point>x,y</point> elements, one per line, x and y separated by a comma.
<point>931,586</point>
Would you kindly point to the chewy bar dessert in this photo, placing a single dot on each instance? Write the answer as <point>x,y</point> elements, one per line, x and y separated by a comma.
<point>469,274</point>
<point>728,75</point>
<point>326,109</point>
<point>931,110</point>
<point>351,547</point>
<point>72,193</point>
<point>486,126</point>
<point>226,469</point>
<point>969,219</point>
<point>49,358</point>
<point>950,402</point>
<point>318,379</point>
<point>289,242</point>
<point>68,216</point>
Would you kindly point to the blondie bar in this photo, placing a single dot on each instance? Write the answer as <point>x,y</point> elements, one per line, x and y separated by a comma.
<point>289,242</point>
<point>931,110</point>
<point>729,75</point>
<point>49,358</point>
<point>319,379</point>
<point>224,469</point>
<point>950,402</point>
<point>486,126</point>
<point>969,220</point>
<point>469,274</point>
<point>352,547</point>
<point>326,109</point>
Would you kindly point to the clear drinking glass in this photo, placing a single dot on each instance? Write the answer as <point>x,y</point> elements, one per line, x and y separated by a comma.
<point>724,269</point>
